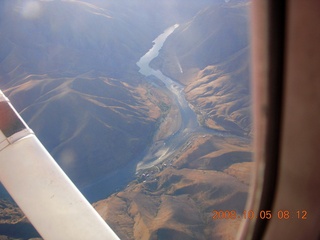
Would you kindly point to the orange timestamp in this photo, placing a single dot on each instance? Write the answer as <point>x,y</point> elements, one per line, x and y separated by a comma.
<point>263,214</point>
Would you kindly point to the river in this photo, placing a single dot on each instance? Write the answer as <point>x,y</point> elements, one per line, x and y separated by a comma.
<point>162,150</point>
<point>157,152</point>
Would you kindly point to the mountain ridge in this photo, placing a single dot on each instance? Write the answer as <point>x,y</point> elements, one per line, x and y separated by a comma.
<point>96,114</point>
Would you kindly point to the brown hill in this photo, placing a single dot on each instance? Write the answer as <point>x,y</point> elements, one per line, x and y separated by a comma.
<point>57,63</point>
<point>178,201</point>
<point>221,95</point>
<point>91,124</point>
<point>175,200</point>
<point>210,56</point>
<point>13,223</point>
<point>69,69</point>
<point>77,86</point>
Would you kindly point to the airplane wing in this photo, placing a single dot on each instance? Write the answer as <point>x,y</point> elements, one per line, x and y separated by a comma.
<point>46,195</point>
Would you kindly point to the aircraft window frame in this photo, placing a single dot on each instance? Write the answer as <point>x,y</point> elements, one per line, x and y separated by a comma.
<point>268,110</point>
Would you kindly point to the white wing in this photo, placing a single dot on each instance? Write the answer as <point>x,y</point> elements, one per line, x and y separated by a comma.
<point>39,186</point>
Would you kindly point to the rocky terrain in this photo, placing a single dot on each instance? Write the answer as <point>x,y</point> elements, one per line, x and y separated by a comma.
<point>69,68</point>
<point>73,92</point>
<point>213,64</point>
<point>175,201</point>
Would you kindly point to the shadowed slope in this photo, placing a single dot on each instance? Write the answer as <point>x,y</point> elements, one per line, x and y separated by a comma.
<point>210,56</point>
<point>178,201</point>
<point>91,124</point>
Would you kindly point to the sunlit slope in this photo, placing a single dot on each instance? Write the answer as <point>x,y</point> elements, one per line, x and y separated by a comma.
<point>210,56</point>
<point>69,69</point>
<point>92,125</point>
<point>178,201</point>
<point>221,95</point>
<point>71,73</point>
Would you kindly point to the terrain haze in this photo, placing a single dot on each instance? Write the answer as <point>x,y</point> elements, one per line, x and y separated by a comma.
<point>70,69</point>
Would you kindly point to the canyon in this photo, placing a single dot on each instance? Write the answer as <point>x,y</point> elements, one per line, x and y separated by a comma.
<point>120,134</point>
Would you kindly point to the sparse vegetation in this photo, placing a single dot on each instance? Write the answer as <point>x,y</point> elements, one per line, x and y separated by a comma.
<point>78,87</point>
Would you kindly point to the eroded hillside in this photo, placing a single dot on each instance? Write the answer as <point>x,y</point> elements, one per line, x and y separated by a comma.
<point>209,55</point>
<point>212,61</point>
<point>70,70</point>
<point>176,200</point>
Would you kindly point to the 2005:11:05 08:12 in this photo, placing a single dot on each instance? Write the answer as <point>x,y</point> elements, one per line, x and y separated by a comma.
<point>263,214</point>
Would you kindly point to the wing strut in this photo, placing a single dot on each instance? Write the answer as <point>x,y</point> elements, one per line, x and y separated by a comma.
<point>49,199</point>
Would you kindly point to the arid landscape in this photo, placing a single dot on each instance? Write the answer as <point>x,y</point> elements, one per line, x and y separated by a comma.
<point>176,201</point>
<point>69,68</point>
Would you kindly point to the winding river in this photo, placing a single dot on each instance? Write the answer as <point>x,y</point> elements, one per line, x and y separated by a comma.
<point>158,151</point>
